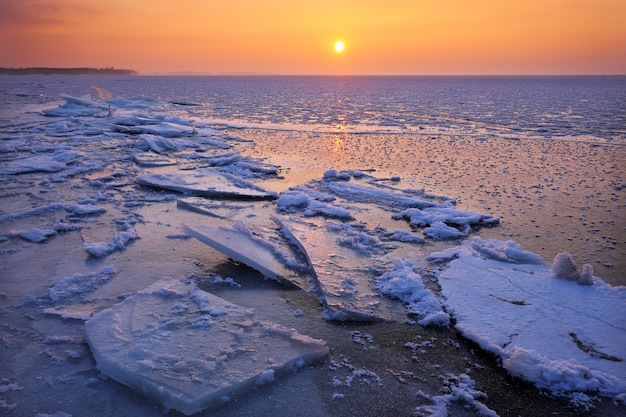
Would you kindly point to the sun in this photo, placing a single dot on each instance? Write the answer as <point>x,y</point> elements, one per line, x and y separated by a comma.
<point>339,46</point>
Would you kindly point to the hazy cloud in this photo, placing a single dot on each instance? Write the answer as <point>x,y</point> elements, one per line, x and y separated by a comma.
<point>37,13</point>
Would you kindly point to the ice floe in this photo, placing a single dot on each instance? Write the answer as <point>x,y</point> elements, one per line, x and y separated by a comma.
<point>37,235</point>
<point>552,332</point>
<point>206,182</point>
<point>311,203</point>
<point>152,159</point>
<point>78,106</point>
<point>343,274</point>
<point>191,350</point>
<point>274,259</point>
<point>442,218</point>
<point>344,256</point>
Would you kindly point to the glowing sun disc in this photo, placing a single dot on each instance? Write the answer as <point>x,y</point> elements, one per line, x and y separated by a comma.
<point>339,47</point>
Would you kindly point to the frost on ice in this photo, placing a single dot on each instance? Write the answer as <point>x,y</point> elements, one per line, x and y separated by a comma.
<point>78,284</point>
<point>561,336</point>
<point>192,350</point>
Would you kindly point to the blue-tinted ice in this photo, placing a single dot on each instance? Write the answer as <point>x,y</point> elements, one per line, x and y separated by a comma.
<point>191,350</point>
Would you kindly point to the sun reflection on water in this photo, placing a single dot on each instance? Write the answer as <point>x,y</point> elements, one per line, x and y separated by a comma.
<point>337,145</point>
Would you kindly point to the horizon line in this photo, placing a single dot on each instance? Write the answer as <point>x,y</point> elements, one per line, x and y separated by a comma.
<point>271,74</point>
<point>263,74</point>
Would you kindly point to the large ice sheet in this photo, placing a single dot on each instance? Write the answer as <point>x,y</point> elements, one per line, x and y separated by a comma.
<point>206,182</point>
<point>191,350</point>
<point>343,268</point>
<point>550,331</point>
<point>273,258</point>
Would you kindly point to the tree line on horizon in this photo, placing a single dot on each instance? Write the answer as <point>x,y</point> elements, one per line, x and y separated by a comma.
<point>66,71</point>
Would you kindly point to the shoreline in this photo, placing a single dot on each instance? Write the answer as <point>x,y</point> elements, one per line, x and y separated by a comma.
<point>66,71</point>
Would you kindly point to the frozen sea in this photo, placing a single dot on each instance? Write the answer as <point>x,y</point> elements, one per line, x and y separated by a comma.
<point>400,231</point>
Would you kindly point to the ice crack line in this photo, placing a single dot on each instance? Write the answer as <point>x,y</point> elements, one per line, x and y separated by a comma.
<point>544,298</point>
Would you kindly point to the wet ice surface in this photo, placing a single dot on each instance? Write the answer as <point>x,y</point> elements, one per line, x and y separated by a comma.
<point>84,236</point>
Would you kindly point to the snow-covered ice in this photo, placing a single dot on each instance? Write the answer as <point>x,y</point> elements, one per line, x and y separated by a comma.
<point>459,388</point>
<point>191,350</point>
<point>327,219</point>
<point>78,284</point>
<point>404,283</point>
<point>547,330</point>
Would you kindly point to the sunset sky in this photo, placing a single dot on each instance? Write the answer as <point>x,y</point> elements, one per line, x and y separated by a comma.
<point>395,37</point>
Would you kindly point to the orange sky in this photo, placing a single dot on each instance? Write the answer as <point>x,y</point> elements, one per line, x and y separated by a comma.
<point>393,37</point>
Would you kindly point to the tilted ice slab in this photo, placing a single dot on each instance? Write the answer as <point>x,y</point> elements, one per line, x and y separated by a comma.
<point>151,159</point>
<point>191,350</point>
<point>206,182</point>
<point>220,209</point>
<point>342,264</point>
<point>273,259</point>
<point>550,331</point>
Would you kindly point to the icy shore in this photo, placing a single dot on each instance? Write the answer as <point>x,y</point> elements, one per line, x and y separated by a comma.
<point>96,194</point>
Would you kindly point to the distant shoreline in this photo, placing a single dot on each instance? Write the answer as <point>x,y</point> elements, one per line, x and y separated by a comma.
<point>66,71</point>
